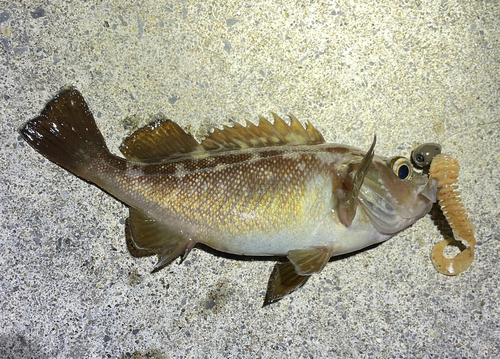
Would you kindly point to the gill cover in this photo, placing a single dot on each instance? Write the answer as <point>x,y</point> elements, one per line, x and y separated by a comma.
<point>445,170</point>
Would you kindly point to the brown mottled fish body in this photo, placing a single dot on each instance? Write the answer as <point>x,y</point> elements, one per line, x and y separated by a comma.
<point>266,190</point>
<point>253,202</point>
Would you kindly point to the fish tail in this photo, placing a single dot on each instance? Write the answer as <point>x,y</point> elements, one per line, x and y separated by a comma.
<point>66,133</point>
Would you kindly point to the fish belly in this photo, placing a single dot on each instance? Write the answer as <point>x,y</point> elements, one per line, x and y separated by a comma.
<point>326,232</point>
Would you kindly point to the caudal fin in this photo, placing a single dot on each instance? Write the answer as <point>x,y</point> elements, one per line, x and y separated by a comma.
<point>66,133</point>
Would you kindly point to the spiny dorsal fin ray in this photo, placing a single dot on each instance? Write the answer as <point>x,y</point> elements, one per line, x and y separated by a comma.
<point>157,141</point>
<point>264,134</point>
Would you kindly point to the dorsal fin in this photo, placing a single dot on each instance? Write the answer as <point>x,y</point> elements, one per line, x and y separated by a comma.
<point>158,140</point>
<point>163,138</point>
<point>263,135</point>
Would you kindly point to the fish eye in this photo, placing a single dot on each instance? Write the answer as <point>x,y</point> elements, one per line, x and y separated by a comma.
<point>402,168</point>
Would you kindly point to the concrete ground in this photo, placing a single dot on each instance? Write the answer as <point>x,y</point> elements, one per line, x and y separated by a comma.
<point>409,71</point>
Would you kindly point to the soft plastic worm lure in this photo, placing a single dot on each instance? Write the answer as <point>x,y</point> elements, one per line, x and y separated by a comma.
<point>445,170</point>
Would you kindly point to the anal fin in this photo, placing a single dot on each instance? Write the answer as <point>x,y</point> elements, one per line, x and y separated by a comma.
<point>284,280</point>
<point>152,235</point>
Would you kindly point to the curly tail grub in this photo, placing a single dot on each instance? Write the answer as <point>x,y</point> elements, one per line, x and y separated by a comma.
<point>445,170</point>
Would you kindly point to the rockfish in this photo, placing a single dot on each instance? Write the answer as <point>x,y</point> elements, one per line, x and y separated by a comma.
<point>259,190</point>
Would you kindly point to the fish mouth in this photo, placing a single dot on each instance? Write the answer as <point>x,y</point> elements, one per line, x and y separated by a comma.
<point>429,190</point>
<point>389,218</point>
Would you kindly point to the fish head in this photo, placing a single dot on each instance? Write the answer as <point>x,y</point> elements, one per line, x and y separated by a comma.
<point>394,196</point>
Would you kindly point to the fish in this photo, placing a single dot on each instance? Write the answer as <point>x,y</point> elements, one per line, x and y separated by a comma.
<point>266,190</point>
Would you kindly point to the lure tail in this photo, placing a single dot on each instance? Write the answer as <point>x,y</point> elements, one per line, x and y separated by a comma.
<point>66,133</point>
<point>445,170</point>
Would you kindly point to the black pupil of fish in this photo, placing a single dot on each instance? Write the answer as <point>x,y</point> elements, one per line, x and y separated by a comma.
<point>403,172</point>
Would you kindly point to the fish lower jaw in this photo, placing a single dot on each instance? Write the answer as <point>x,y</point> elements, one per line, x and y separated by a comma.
<point>429,191</point>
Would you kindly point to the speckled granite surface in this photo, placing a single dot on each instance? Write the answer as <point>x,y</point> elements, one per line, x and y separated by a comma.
<point>411,72</point>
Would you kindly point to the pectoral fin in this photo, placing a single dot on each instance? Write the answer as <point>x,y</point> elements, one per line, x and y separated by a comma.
<point>347,207</point>
<point>310,260</point>
<point>284,280</point>
<point>150,234</point>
